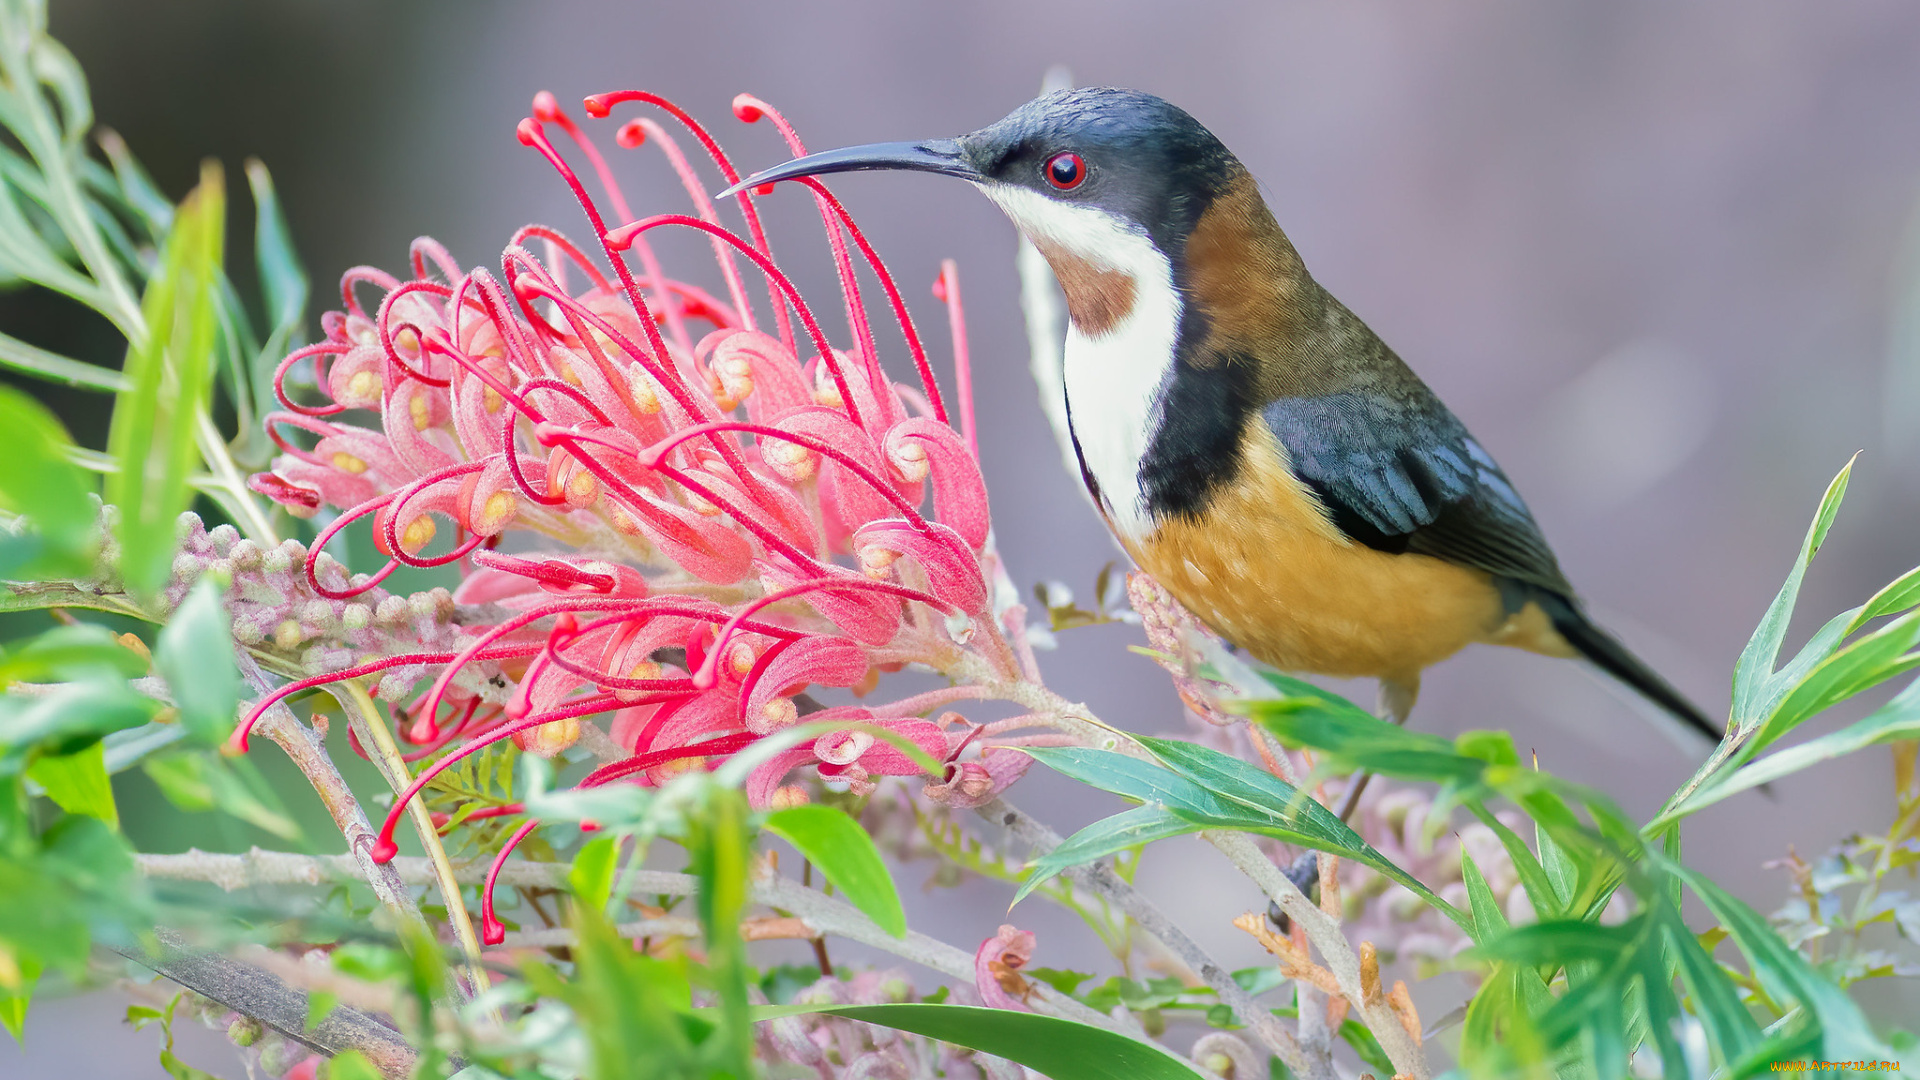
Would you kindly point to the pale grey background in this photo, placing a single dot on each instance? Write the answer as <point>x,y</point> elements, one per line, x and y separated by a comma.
<point>1651,253</point>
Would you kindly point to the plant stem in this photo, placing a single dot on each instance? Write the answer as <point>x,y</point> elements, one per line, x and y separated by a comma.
<point>263,996</point>
<point>1323,930</point>
<point>365,716</point>
<point>1102,881</point>
<point>309,755</point>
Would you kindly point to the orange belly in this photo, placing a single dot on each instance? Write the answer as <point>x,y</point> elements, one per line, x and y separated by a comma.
<point>1267,570</point>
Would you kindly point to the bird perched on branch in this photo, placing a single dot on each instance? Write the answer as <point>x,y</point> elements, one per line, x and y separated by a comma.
<point>1252,444</point>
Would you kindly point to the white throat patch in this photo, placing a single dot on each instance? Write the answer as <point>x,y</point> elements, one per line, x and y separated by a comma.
<point>1113,380</point>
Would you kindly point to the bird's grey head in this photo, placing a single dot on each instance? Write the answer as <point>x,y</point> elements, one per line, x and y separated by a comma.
<point>1066,166</point>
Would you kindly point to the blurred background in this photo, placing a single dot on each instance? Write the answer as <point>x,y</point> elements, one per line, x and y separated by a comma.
<point>1662,259</point>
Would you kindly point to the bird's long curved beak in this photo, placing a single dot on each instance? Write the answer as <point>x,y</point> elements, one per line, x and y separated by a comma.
<point>941,156</point>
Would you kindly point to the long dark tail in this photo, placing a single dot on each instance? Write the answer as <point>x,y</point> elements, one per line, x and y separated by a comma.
<point>1613,658</point>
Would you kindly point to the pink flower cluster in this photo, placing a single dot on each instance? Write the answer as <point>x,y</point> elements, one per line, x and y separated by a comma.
<point>735,507</point>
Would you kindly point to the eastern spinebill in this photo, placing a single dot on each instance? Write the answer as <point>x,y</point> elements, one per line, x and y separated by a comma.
<point>1252,444</point>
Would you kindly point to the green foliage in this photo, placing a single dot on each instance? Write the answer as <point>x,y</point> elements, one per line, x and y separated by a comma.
<point>42,485</point>
<point>1061,1049</point>
<point>169,372</point>
<point>195,656</point>
<point>844,852</point>
<point>1206,789</point>
<point>196,781</point>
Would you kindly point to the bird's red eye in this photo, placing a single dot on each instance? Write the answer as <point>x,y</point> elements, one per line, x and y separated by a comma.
<point>1065,171</point>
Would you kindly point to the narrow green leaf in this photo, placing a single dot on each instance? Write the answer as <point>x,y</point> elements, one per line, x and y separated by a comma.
<point>1058,1049</point>
<point>717,849</point>
<point>1898,719</point>
<point>14,1001</point>
<point>195,656</point>
<point>1716,1001</point>
<point>1541,895</point>
<point>1351,738</point>
<point>834,842</point>
<point>1108,836</point>
<point>1488,920</point>
<point>42,484</point>
<point>1899,594</point>
<point>142,195</point>
<point>1268,804</point>
<point>1859,666</point>
<point>1845,1033</point>
<point>591,877</point>
<point>1756,661</point>
<point>70,654</point>
<point>78,783</point>
<point>170,375</point>
<point>198,781</point>
<point>32,360</point>
<point>283,283</point>
<point>70,718</point>
<point>1217,791</point>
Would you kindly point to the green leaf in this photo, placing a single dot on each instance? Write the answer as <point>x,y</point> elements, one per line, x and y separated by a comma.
<point>41,483</point>
<point>1899,594</point>
<point>170,376</point>
<point>1488,920</point>
<point>1121,832</point>
<point>1859,666</point>
<point>1843,1031</point>
<point>78,783</point>
<point>41,364</point>
<point>1348,737</point>
<point>634,1010</point>
<point>717,852</point>
<point>195,656</point>
<point>591,877</point>
<point>72,717</point>
<point>1220,791</point>
<point>71,654</point>
<point>1898,719</point>
<point>16,999</point>
<point>199,781</point>
<point>1755,667</point>
<point>283,284</point>
<point>1058,1049</point>
<point>1533,877</point>
<point>352,1065</point>
<point>834,842</point>
<point>319,1004</point>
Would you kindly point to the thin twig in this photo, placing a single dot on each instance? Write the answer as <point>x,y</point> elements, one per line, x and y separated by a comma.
<point>309,755</point>
<point>265,997</point>
<point>365,717</point>
<point>1323,930</point>
<point>1099,879</point>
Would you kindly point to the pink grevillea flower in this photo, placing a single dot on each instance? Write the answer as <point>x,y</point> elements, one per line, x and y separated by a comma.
<point>996,968</point>
<point>735,507</point>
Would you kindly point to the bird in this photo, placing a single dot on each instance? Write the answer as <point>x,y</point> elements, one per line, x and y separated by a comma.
<point>1251,443</point>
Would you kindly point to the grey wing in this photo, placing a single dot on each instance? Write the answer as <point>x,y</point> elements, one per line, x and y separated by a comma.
<point>1406,476</point>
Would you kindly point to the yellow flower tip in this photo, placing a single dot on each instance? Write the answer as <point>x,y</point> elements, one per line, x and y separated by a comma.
<point>910,461</point>
<point>418,534</point>
<point>549,739</point>
<point>500,508</point>
<point>363,389</point>
<point>780,712</point>
<point>421,412</point>
<point>788,797</point>
<point>346,462</point>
